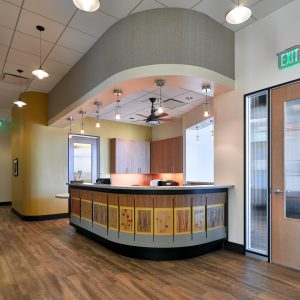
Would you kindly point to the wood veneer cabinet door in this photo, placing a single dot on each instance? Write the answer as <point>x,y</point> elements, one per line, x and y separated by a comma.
<point>178,154</point>
<point>155,158</point>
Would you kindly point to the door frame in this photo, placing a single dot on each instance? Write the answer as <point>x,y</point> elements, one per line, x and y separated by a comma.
<point>269,200</point>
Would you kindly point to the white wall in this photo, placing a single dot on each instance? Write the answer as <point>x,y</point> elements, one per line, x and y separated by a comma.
<point>256,47</point>
<point>5,163</point>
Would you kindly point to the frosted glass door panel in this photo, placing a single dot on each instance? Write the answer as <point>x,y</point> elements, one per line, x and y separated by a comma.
<point>292,159</point>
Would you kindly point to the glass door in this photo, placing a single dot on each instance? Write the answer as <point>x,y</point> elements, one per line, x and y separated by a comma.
<point>83,158</point>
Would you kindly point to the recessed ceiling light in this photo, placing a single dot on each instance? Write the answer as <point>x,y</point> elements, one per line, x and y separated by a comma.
<point>238,15</point>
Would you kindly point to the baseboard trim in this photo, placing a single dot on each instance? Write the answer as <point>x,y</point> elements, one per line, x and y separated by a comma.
<point>40,218</point>
<point>234,247</point>
<point>5,203</point>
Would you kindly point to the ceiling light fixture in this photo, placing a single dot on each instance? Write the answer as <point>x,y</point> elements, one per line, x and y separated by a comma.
<point>98,104</point>
<point>70,119</point>
<point>238,15</point>
<point>87,5</point>
<point>118,92</point>
<point>82,113</point>
<point>40,73</point>
<point>206,88</point>
<point>19,102</point>
<point>160,83</point>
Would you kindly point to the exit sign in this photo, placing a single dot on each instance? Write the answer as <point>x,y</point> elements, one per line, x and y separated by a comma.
<point>289,57</point>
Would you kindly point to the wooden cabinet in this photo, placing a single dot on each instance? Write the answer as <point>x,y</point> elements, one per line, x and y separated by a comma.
<point>132,157</point>
<point>167,156</point>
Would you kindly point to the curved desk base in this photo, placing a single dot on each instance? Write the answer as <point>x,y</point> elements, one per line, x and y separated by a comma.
<point>153,253</point>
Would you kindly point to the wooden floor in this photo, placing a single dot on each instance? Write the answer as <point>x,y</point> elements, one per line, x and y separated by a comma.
<point>48,260</point>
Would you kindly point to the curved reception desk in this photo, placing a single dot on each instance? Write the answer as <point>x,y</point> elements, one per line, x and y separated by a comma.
<point>151,222</point>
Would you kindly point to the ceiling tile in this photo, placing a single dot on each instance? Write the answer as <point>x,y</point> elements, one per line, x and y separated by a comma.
<point>265,7</point>
<point>180,3</point>
<point>148,4</point>
<point>22,58</point>
<point>190,97</point>
<point>5,36</point>
<point>239,26</point>
<point>11,68</point>
<point>30,44</point>
<point>57,68</point>
<point>28,22</point>
<point>56,10</point>
<point>8,14</point>
<point>15,2</point>
<point>3,52</point>
<point>171,92</point>
<point>94,24</point>
<point>64,55</point>
<point>76,40</point>
<point>118,9</point>
<point>216,9</point>
<point>1,65</point>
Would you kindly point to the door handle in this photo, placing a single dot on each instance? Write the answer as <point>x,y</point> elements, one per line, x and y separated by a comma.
<point>278,191</point>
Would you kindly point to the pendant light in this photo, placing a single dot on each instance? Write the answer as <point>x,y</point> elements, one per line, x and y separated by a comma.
<point>70,119</point>
<point>40,73</point>
<point>87,5</point>
<point>118,92</point>
<point>197,136</point>
<point>98,104</point>
<point>160,83</point>
<point>238,15</point>
<point>19,102</point>
<point>82,113</point>
<point>206,88</point>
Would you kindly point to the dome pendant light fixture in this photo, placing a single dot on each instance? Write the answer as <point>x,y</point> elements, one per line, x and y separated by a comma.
<point>40,73</point>
<point>98,104</point>
<point>238,15</point>
<point>206,88</point>
<point>160,83</point>
<point>197,136</point>
<point>19,102</point>
<point>118,92</point>
<point>87,5</point>
<point>82,113</point>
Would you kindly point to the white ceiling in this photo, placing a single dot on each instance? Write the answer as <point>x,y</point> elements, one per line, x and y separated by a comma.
<point>70,32</point>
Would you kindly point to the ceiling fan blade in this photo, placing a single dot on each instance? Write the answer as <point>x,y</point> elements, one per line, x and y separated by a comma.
<point>162,115</point>
<point>138,121</point>
<point>142,116</point>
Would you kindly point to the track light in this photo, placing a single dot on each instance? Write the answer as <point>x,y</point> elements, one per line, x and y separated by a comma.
<point>206,88</point>
<point>160,83</point>
<point>82,113</point>
<point>118,92</point>
<point>98,104</point>
<point>19,102</point>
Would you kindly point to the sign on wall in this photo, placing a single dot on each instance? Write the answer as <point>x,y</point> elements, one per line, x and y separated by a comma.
<point>289,57</point>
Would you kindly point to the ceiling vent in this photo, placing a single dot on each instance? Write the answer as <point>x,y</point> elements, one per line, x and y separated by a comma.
<point>172,103</point>
<point>15,79</point>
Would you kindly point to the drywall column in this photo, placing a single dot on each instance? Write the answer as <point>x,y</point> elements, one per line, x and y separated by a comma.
<point>5,162</point>
<point>42,155</point>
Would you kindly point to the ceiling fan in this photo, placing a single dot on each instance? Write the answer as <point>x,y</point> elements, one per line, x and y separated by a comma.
<point>153,118</point>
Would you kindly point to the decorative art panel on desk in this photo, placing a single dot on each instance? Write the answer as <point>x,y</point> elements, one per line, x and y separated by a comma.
<point>183,220</point>
<point>100,214</point>
<point>113,217</point>
<point>126,219</point>
<point>198,219</point>
<point>163,221</point>
<point>144,217</point>
<point>215,216</point>
<point>86,209</point>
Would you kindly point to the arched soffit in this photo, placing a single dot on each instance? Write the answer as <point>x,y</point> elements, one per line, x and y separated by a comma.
<point>168,36</point>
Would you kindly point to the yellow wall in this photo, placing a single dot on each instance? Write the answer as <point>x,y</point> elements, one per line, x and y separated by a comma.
<point>110,130</point>
<point>42,154</point>
<point>167,130</point>
<point>5,163</point>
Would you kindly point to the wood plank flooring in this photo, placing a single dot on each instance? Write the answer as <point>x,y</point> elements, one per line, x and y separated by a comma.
<point>49,260</point>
